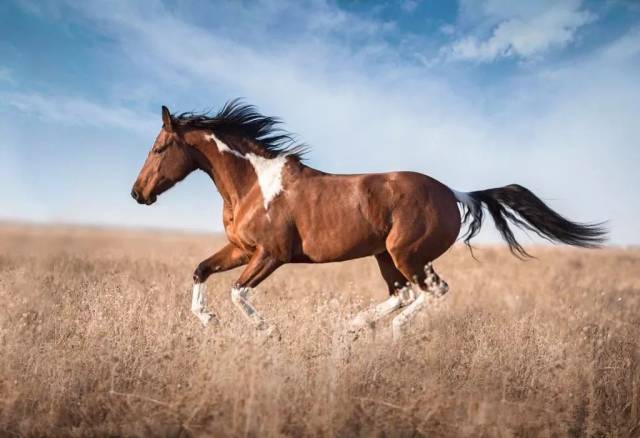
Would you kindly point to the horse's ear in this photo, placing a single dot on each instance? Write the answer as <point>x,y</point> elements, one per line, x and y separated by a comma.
<point>166,119</point>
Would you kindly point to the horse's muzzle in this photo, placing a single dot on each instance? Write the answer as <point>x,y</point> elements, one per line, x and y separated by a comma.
<point>140,199</point>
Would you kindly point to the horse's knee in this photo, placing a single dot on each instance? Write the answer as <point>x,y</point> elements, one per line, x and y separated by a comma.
<point>202,273</point>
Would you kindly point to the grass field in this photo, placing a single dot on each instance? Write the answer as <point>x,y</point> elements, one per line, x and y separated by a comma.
<point>97,339</point>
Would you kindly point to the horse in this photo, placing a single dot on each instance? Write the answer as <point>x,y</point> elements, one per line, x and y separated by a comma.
<point>278,210</point>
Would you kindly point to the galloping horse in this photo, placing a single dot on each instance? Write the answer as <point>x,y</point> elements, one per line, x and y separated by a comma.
<point>278,210</point>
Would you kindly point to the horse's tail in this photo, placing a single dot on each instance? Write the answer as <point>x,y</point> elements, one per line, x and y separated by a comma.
<point>528,212</point>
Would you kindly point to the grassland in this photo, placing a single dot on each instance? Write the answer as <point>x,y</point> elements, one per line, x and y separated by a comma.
<point>97,339</point>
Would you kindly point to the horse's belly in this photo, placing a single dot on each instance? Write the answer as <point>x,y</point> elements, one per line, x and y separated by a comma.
<point>343,235</point>
<point>341,217</point>
<point>336,251</point>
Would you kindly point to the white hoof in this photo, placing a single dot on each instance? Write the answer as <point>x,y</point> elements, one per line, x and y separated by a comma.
<point>271,332</point>
<point>358,323</point>
<point>204,317</point>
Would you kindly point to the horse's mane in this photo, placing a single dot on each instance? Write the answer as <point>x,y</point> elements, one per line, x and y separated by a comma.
<point>244,119</point>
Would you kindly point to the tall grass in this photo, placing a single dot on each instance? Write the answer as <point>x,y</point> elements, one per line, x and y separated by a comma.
<point>97,339</point>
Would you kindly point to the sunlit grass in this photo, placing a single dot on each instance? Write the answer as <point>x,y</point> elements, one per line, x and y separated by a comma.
<point>96,338</point>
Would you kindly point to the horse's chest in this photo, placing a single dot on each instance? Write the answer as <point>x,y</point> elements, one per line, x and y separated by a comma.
<point>244,232</point>
<point>259,229</point>
<point>236,235</point>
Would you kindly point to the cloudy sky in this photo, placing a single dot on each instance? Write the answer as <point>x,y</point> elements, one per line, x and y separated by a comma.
<point>475,93</point>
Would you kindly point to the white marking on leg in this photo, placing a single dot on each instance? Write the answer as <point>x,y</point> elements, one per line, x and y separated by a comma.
<point>403,318</point>
<point>268,170</point>
<point>407,295</point>
<point>434,284</point>
<point>370,316</point>
<point>198,300</point>
<point>240,297</point>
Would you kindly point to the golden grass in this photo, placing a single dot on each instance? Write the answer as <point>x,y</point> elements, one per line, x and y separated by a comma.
<point>97,339</point>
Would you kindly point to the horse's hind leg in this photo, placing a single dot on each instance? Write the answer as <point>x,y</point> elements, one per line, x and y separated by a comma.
<point>429,283</point>
<point>397,294</point>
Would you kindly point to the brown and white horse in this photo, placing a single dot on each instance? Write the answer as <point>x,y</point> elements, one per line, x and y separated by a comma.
<point>278,210</point>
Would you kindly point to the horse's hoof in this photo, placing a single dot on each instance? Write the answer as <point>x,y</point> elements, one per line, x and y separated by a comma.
<point>207,318</point>
<point>269,332</point>
<point>358,324</point>
<point>274,333</point>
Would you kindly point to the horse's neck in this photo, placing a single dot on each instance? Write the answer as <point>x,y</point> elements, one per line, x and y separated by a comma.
<point>231,172</point>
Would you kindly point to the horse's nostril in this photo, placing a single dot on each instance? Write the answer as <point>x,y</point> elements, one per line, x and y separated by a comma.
<point>134,194</point>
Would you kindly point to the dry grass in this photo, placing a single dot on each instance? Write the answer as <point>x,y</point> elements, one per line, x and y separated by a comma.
<point>97,339</point>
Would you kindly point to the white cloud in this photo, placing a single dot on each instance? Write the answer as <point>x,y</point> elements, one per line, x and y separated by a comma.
<point>559,130</point>
<point>523,32</point>
<point>409,5</point>
<point>76,111</point>
<point>447,29</point>
<point>624,49</point>
<point>6,75</point>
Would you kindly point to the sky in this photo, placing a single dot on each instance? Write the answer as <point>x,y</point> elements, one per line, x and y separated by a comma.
<point>476,93</point>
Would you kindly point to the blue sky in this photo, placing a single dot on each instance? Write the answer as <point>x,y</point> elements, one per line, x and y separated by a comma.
<point>475,93</point>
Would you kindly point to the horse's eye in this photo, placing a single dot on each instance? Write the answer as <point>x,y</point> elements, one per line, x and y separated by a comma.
<point>160,149</point>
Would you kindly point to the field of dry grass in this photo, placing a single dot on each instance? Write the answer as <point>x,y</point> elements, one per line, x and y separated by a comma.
<point>97,339</point>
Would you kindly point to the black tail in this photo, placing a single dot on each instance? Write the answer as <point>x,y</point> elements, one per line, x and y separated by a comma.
<point>528,212</point>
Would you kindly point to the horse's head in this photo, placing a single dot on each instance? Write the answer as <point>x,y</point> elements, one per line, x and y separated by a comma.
<point>168,162</point>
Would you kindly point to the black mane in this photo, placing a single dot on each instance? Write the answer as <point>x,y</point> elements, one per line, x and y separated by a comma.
<point>245,119</point>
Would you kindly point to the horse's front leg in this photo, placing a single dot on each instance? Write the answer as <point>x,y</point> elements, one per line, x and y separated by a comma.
<point>227,258</point>
<point>261,265</point>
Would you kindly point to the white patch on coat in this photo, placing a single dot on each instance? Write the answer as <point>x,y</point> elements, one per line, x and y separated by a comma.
<point>222,146</point>
<point>268,170</point>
